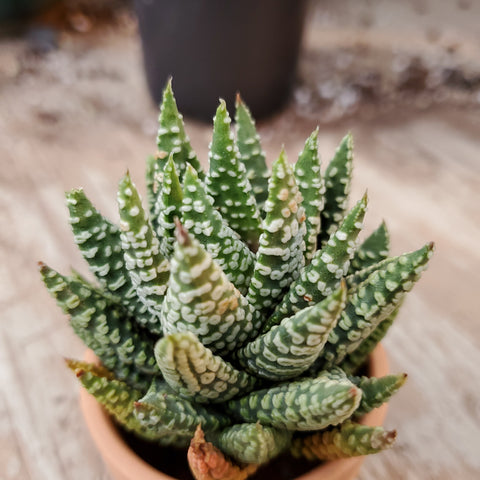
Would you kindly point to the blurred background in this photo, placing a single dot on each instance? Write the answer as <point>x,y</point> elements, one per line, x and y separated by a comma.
<point>76,109</point>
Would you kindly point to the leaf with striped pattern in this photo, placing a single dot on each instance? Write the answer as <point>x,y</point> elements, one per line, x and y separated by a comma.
<point>205,222</point>
<point>328,266</point>
<point>251,153</point>
<point>338,177</point>
<point>148,269</point>
<point>194,372</point>
<point>289,349</point>
<point>203,301</point>
<point>227,181</point>
<point>280,255</point>
<point>312,188</point>
<point>347,440</point>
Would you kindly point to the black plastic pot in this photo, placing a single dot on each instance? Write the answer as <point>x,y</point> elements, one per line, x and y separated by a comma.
<point>14,9</point>
<point>214,48</point>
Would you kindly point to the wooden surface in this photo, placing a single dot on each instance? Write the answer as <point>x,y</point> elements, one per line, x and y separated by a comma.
<point>70,126</point>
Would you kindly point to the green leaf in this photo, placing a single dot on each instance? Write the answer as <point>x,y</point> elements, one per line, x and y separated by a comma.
<point>373,250</point>
<point>312,188</point>
<point>171,137</point>
<point>372,302</point>
<point>115,396</point>
<point>280,255</point>
<point>103,327</point>
<point>251,153</point>
<point>347,440</point>
<point>328,266</point>
<point>203,301</point>
<point>227,181</point>
<point>253,442</point>
<point>166,412</point>
<point>376,391</point>
<point>356,359</point>
<point>99,241</point>
<point>338,176</point>
<point>309,404</point>
<point>224,245</point>
<point>289,349</point>
<point>167,208</point>
<point>148,269</point>
<point>194,372</point>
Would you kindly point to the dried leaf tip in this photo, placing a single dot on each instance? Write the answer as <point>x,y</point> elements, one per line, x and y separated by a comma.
<point>238,99</point>
<point>181,233</point>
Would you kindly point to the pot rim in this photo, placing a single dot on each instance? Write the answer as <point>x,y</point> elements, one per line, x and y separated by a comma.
<point>120,455</point>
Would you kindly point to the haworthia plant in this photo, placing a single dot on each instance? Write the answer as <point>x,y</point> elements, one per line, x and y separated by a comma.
<point>239,300</point>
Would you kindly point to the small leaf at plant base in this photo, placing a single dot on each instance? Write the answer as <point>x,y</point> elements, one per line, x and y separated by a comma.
<point>208,463</point>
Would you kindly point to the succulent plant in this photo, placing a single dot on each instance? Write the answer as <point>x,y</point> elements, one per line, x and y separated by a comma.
<point>234,311</point>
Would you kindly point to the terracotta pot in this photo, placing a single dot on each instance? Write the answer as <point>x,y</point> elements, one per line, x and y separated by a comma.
<point>124,464</point>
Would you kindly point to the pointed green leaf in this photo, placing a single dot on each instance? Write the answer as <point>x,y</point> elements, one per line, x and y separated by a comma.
<point>194,372</point>
<point>280,255</point>
<point>99,241</point>
<point>328,266</point>
<point>225,246</point>
<point>171,137</point>
<point>373,250</point>
<point>376,391</point>
<point>347,440</point>
<point>372,302</point>
<point>102,326</point>
<point>147,268</point>
<point>251,153</point>
<point>253,442</point>
<point>115,396</point>
<point>227,181</point>
<point>289,349</point>
<point>203,301</point>
<point>356,359</point>
<point>355,279</point>
<point>164,411</point>
<point>337,183</point>
<point>312,188</point>
<point>167,208</point>
<point>309,404</point>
